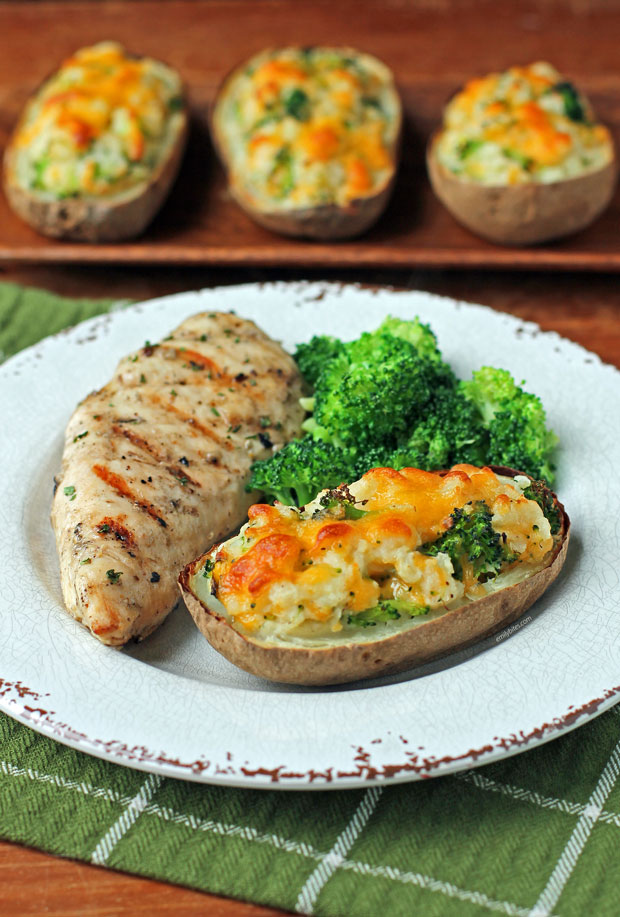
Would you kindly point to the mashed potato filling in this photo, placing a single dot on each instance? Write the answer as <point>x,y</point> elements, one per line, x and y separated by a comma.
<point>99,125</point>
<point>310,126</point>
<point>527,124</point>
<point>377,551</point>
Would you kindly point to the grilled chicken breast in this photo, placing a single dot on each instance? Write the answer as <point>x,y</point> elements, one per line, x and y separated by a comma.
<point>155,466</point>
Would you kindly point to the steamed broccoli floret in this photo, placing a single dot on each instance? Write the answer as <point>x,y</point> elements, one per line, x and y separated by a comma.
<point>313,357</point>
<point>371,392</point>
<point>449,433</point>
<point>297,472</point>
<point>515,420</point>
<point>416,332</point>
<point>471,539</point>
<point>491,390</point>
<point>374,457</point>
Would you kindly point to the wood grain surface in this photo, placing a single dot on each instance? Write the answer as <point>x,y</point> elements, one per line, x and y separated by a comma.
<point>432,46</point>
<point>34,883</point>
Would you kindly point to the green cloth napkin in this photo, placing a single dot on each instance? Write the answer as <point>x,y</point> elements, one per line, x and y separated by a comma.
<point>27,315</point>
<point>538,834</point>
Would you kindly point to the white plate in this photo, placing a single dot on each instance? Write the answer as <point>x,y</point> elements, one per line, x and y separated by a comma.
<point>173,706</point>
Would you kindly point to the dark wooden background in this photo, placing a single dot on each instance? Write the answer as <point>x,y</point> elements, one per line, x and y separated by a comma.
<point>433,46</point>
<point>440,44</point>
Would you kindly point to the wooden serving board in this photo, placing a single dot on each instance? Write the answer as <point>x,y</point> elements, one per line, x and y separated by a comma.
<point>431,45</point>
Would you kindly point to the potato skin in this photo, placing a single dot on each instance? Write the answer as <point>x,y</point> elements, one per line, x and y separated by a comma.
<point>523,214</point>
<point>324,222</point>
<point>453,631</point>
<point>95,219</point>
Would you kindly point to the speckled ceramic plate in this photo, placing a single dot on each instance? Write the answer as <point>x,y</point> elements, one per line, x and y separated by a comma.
<point>173,706</point>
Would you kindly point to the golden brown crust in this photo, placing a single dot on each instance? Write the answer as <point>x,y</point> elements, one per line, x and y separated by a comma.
<point>336,664</point>
<point>95,219</point>
<point>523,214</point>
<point>324,222</point>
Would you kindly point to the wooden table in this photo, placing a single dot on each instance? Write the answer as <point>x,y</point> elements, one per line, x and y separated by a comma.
<point>582,307</point>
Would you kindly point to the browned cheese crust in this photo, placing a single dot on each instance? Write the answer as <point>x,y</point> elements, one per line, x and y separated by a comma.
<point>523,214</point>
<point>453,631</point>
<point>111,218</point>
<point>324,222</point>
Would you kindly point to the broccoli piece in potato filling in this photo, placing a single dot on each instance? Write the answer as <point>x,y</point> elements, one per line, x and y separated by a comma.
<point>389,610</point>
<point>541,494</point>
<point>573,106</point>
<point>339,501</point>
<point>471,541</point>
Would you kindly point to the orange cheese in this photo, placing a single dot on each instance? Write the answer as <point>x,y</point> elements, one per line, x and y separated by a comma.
<point>360,560</point>
<point>108,80</point>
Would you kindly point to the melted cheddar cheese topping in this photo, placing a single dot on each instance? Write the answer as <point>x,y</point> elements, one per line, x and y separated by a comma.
<point>310,126</point>
<point>314,570</point>
<point>99,125</point>
<point>527,124</point>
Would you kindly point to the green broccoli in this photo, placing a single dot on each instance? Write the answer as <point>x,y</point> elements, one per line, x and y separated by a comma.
<point>341,500</point>
<point>416,332</point>
<point>515,421</point>
<point>541,494</point>
<point>371,392</point>
<point>313,357</point>
<point>471,539</point>
<point>297,472</point>
<point>573,106</point>
<point>389,610</point>
<point>388,400</point>
<point>450,432</point>
<point>380,456</point>
<point>491,390</point>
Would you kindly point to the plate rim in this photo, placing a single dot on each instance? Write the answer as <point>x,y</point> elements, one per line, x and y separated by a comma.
<point>142,759</point>
<point>13,694</point>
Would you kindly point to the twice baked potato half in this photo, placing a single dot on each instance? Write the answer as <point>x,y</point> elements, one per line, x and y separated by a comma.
<point>98,147</point>
<point>520,158</point>
<point>392,571</point>
<point>309,138</point>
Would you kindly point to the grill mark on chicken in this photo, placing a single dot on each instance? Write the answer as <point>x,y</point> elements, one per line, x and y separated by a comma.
<point>117,529</point>
<point>119,484</point>
<point>196,360</point>
<point>101,629</point>
<point>196,426</point>
<point>133,469</point>
<point>161,458</point>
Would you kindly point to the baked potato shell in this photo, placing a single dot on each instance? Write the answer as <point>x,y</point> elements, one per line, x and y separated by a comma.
<point>110,218</point>
<point>321,222</point>
<point>345,662</point>
<point>523,214</point>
